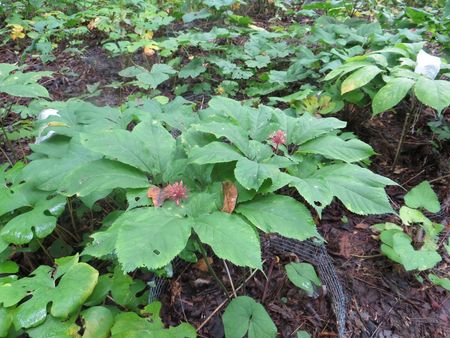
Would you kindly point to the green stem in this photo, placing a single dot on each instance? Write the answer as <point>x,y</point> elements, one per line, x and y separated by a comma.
<point>8,141</point>
<point>211,270</point>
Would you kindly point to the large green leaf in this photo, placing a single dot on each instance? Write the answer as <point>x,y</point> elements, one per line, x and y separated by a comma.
<point>280,214</point>
<point>359,78</point>
<point>149,147</point>
<point>39,222</point>
<point>360,190</point>
<point>160,143</point>
<point>22,84</point>
<point>433,93</point>
<point>345,69</point>
<point>130,325</point>
<point>47,173</point>
<point>251,174</point>
<point>32,295</point>
<point>397,246</point>
<point>98,321</point>
<point>156,234</point>
<point>54,328</point>
<point>391,94</point>
<point>127,291</point>
<point>6,319</point>
<point>334,147</point>
<point>244,316</point>
<point>308,127</point>
<point>234,134</point>
<point>73,289</point>
<point>229,236</point>
<point>214,152</point>
<point>192,69</point>
<point>159,73</point>
<point>356,194</point>
<point>423,196</point>
<point>101,175</point>
<point>120,145</point>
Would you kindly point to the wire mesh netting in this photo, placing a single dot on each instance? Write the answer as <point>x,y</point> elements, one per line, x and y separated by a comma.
<point>309,251</point>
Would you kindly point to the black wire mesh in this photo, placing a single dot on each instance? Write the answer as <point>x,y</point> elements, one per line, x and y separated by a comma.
<point>310,251</point>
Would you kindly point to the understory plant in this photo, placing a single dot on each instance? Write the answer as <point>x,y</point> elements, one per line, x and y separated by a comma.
<point>181,179</point>
<point>387,76</point>
<point>415,245</point>
<point>70,300</point>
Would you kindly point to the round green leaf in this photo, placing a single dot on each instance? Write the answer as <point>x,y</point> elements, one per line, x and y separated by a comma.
<point>98,321</point>
<point>73,289</point>
<point>433,93</point>
<point>245,316</point>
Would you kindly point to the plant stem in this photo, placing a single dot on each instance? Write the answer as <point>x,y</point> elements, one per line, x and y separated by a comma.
<point>211,270</point>
<point>6,155</point>
<point>8,142</point>
<point>72,219</point>
<point>402,139</point>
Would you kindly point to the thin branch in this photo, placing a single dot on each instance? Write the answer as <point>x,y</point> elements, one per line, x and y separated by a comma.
<point>217,309</point>
<point>231,280</point>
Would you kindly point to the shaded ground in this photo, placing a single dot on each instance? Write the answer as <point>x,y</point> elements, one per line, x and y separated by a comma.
<point>384,301</point>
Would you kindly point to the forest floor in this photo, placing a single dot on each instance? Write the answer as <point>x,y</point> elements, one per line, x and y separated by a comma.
<point>382,301</point>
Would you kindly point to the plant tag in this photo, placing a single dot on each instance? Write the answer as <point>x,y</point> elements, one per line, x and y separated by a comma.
<point>427,64</point>
<point>45,114</point>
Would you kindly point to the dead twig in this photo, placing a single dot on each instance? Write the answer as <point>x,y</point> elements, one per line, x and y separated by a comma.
<point>231,280</point>
<point>221,305</point>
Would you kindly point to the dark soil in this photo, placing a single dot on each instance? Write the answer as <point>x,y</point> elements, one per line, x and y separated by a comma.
<point>383,300</point>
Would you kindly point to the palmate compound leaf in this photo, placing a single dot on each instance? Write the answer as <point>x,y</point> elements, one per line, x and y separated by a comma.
<point>307,127</point>
<point>280,214</point>
<point>192,69</point>
<point>35,293</point>
<point>236,135</point>
<point>251,174</point>
<point>149,147</point>
<point>159,235</point>
<point>159,73</point>
<point>244,316</point>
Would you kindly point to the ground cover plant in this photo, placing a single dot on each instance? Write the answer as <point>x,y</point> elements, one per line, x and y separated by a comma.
<point>165,139</point>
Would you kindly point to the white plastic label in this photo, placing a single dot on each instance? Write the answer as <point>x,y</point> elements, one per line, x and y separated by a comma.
<point>427,65</point>
<point>45,114</point>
